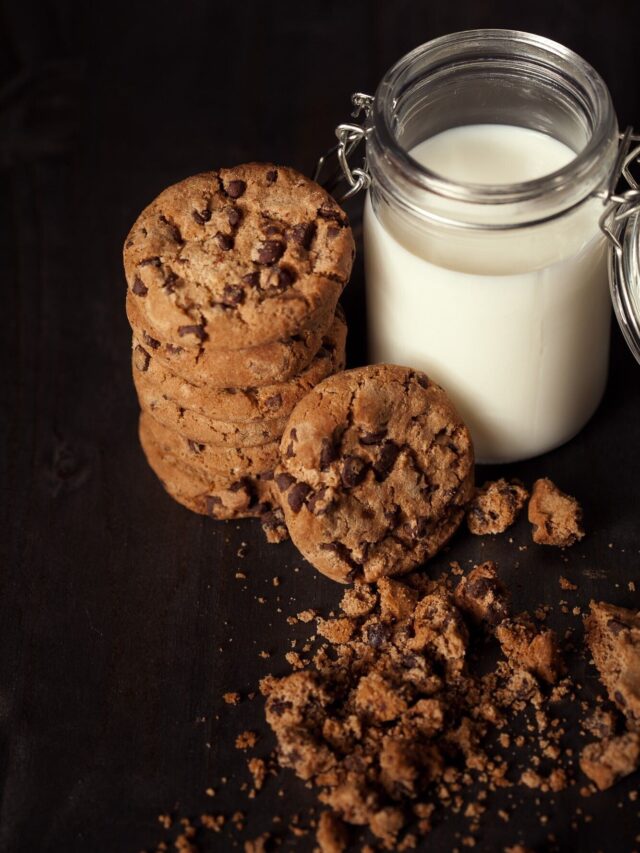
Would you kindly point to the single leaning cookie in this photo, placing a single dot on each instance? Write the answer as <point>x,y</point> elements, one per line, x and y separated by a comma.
<point>376,470</point>
<point>238,257</point>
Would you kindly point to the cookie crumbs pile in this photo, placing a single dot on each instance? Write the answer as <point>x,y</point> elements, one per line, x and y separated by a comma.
<point>233,285</point>
<point>393,726</point>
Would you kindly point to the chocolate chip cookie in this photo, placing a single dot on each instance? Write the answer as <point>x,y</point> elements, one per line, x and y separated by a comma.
<point>238,257</point>
<point>278,361</point>
<point>218,496</point>
<point>270,402</point>
<point>206,431</point>
<point>206,459</point>
<point>376,470</point>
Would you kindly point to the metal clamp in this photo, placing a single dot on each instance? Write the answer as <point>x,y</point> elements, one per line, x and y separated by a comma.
<point>349,138</point>
<point>619,206</point>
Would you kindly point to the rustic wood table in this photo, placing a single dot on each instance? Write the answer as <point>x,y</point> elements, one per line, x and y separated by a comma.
<point>122,618</point>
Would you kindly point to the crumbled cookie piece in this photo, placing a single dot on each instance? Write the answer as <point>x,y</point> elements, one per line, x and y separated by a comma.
<point>526,647</point>
<point>613,637</point>
<point>606,761</point>
<point>257,845</point>
<point>555,516</point>
<point>482,596</point>
<point>231,698</point>
<point>273,526</point>
<point>246,740</point>
<point>331,834</point>
<point>258,770</point>
<point>359,600</point>
<point>600,723</point>
<point>496,506</point>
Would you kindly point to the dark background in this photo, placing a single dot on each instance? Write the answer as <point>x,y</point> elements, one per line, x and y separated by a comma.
<point>121,620</point>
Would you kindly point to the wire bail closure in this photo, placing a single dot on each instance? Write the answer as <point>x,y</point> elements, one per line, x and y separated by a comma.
<point>620,206</point>
<point>349,137</point>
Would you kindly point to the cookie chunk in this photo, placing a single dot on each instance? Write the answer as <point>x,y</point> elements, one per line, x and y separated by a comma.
<point>274,526</point>
<point>231,462</point>
<point>496,506</point>
<point>376,470</point>
<point>609,760</point>
<point>527,648</point>
<point>218,496</point>
<point>278,361</point>
<point>613,637</point>
<point>482,596</point>
<point>267,402</point>
<point>238,257</point>
<point>556,517</point>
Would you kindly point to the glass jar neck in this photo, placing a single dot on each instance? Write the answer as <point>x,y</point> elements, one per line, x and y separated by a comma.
<point>496,77</point>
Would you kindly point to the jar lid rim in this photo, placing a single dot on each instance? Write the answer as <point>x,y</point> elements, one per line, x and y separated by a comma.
<point>572,174</point>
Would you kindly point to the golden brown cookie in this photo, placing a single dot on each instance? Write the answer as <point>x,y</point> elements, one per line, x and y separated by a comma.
<point>152,377</point>
<point>206,459</point>
<point>238,257</point>
<point>265,364</point>
<point>217,496</point>
<point>376,470</point>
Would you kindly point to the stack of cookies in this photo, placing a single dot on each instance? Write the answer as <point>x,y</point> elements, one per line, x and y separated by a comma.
<point>233,285</point>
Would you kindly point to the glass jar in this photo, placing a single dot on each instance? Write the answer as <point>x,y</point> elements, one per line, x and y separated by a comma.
<point>497,290</point>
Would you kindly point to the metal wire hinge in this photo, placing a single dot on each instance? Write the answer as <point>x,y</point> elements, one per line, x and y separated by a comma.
<point>349,138</point>
<point>620,206</point>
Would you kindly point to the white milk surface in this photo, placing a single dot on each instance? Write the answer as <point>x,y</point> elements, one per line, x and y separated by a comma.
<point>523,353</point>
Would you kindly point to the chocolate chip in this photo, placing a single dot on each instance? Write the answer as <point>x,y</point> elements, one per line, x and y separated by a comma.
<point>376,635</point>
<point>332,232</point>
<point>423,381</point>
<point>297,496</point>
<point>303,234</point>
<point>386,460</point>
<point>141,358</point>
<point>234,215</point>
<point>616,626</point>
<point>278,706</point>
<point>353,471</point>
<point>149,341</point>
<point>236,188</point>
<point>286,277</point>
<point>233,294</point>
<point>173,230</point>
<point>252,279</point>
<point>150,262</point>
<point>273,230</point>
<point>172,349</point>
<point>284,481</point>
<point>289,452</point>
<point>194,447</point>
<point>274,402</point>
<point>619,698</point>
<point>271,176</point>
<point>170,280</point>
<point>328,454</point>
<point>270,252</point>
<point>201,216</point>
<point>139,287</point>
<point>327,211</point>
<point>225,241</point>
<point>211,502</point>
<point>196,330</point>
<point>373,437</point>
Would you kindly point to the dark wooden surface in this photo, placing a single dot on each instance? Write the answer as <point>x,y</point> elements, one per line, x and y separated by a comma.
<point>122,622</point>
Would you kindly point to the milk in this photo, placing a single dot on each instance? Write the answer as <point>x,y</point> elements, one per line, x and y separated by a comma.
<point>514,324</point>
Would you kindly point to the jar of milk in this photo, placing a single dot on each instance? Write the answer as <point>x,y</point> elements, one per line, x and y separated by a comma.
<point>492,158</point>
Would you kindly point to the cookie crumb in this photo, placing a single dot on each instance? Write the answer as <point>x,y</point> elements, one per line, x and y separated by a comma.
<point>495,506</point>
<point>231,698</point>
